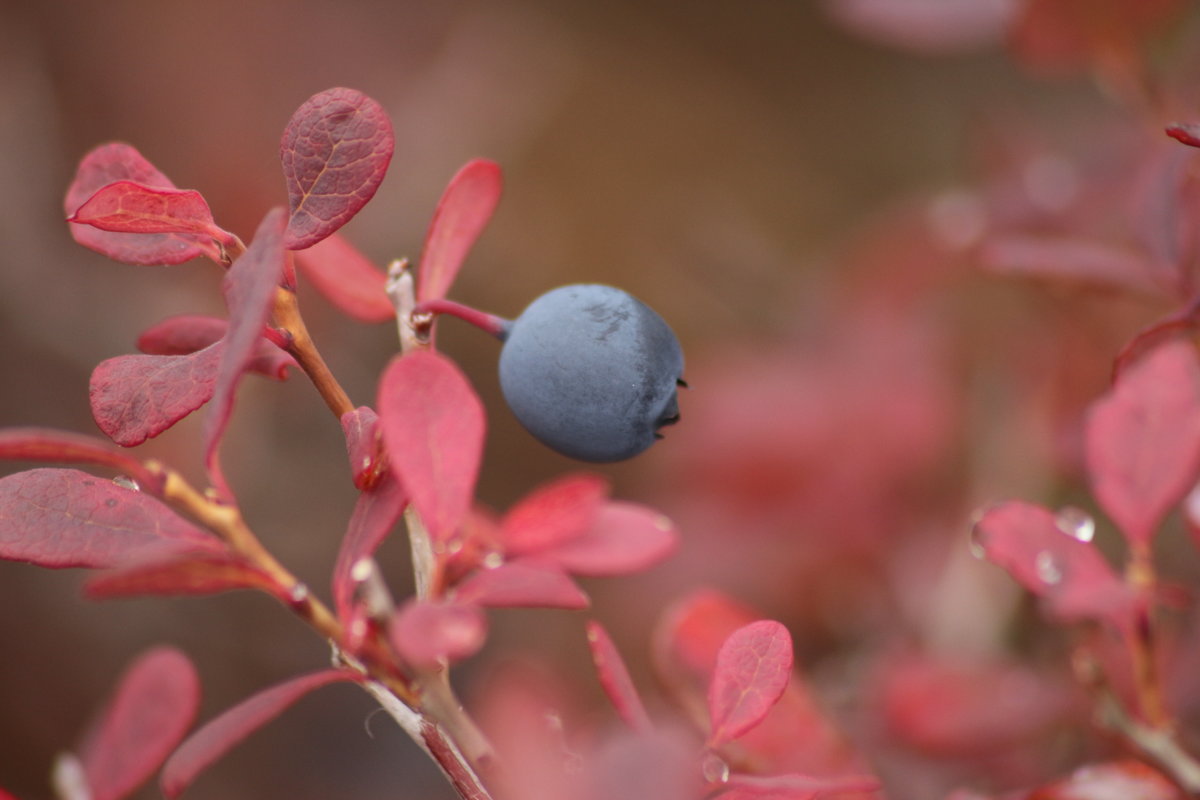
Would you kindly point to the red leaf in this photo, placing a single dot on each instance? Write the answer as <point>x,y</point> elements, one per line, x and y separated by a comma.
<point>155,703</point>
<point>137,397</point>
<point>67,518</point>
<point>187,333</point>
<point>753,668</point>
<point>45,444</point>
<point>347,278</point>
<point>926,26</point>
<point>430,634</point>
<point>794,786</point>
<point>465,208</point>
<point>363,447</point>
<point>188,574</point>
<point>1128,780</point>
<point>1045,557</point>
<point>132,207</point>
<point>433,427</point>
<point>335,152</point>
<point>249,287</point>
<point>1143,440</point>
<point>1072,261</point>
<point>554,513</point>
<point>1186,132</point>
<point>521,584</point>
<point>614,678</point>
<point>624,538</point>
<point>218,736</point>
<point>375,514</point>
<point>114,162</point>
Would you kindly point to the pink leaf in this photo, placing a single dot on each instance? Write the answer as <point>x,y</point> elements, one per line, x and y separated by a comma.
<point>1044,556</point>
<point>187,333</point>
<point>1186,132</point>
<point>614,678</point>
<point>522,583</point>
<point>137,397</point>
<point>45,444</point>
<point>433,428</point>
<point>753,668</point>
<point>218,736</point>
<point>1069,260</point>
<point>195,574</point>
<point>249,287</point>
<point>132,207</point>
<point>1143,440</point>
<point>335,152</point>
<point>363,447</point>
<point>554,513</point>
<point>119,162</point>
<point>926,26</point>
<point>794,786</point>
<point>155,703</point>
<point>624,538</point>
<point>347,278</point>
<point>465,208</point>
<point>67,518</point>
<point>375,514</point>
<point>429,634</point>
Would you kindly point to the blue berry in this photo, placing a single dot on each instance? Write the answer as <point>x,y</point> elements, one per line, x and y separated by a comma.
<point>591,372</point>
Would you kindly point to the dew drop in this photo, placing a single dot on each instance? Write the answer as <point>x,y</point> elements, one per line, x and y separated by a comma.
<point>299,593</point>
<point>1047,568</point>
<point>126,482</point>
<point>714,769</point>
<point>1076,523</point>
<point>493,560</point>
<point>976,536</point>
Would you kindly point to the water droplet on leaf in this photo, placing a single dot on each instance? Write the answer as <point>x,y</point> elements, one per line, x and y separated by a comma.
<point>975,540</point>
<point>1047,568</point>
<point>1076,523</point>
<point>714,769</point>
<point>126,482</point>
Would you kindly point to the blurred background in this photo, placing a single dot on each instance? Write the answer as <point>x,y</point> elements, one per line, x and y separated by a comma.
<point>794,191</point>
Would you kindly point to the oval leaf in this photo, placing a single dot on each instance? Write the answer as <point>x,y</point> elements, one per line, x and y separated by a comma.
<point>154,704</point>
<point>347,278</point>
<point>614,678</point>
<point>67,518</point>
<point>132,207</point>
<point>335,151</point>
<point>137,397</point>
<point>522,584</point>
<point>114,162</point>
<point>375,514</point>
<point>220,735</point>
<point>187,333</point>
<point>462,213</point>
<point>429,634</point>
<point>753,668</point>
<point>1143,440</point>
<point>189,574</point>
<point>554,513</point>
<point>45,444</point>
<point>363,446</point>
<point>624,538</point>
<point>433,428</point>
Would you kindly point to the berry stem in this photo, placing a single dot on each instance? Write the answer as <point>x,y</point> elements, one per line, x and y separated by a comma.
<point>488,323</point>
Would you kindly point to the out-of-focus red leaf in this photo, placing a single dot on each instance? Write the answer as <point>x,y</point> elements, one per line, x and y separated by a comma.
<point>433,427</point>
<point>335,151</point>
<point>6,796</point>
<point>795,786</point>
<point>554,513</point>
<point>114,162</point>
<point>361,429</point>
<point>187,333</point>
<point>347,278</point>
<point>67,518</point>
<point>753,668</point>
<point>523,583</point>
<point>375,514</point>
<point>132,207</point>
<point>1143,440</point>
<point>187,574</point>
<point>221,734</point>
<point>1127,780</point>
<point>464,209</point>
<point>1047,559</point>
<point>154,704</point>
<point>926,26</point>
<point>1072,260</point>
<point>614,678</point>
<point>1186,132</point>
<point>249,287</point>
<point>137,397</point>
<point>623,538</point>
<point>428,634</point>
<point>47,444</point>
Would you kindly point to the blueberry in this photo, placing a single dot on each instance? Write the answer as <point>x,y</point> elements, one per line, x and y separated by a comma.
<point>591,372</point>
